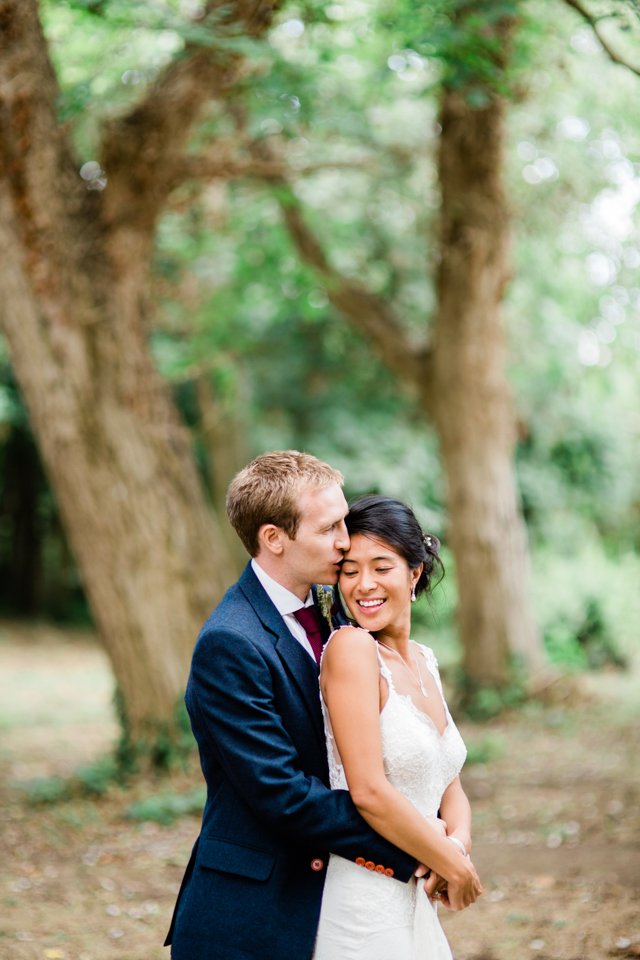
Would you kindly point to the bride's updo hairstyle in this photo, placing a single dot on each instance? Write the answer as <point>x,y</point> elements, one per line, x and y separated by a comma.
<point>394,523</point>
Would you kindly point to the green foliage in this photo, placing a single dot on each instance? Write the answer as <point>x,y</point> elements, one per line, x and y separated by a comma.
<point>108,52</point>
<point>480,704</point>
<point>87,781</point>
<point>488,748</point>
<point>572,168</point>
<point>166,808</point>
<point>585,643</point>
<point>45,790</point>
<point>587,605</point>
<point>95,778</point>
<point>479,49</point>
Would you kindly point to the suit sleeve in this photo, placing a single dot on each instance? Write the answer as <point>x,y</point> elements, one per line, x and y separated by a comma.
<point>230,698</point>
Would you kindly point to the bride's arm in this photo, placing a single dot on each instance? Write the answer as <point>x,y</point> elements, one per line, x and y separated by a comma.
<point>351,689</point>
<point>455,810</point>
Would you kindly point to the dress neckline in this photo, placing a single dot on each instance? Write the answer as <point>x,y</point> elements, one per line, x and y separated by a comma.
<point>420,714</point>
<point>408,699</point>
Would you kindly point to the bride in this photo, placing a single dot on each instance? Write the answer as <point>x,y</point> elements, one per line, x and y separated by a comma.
<point>393,744</point>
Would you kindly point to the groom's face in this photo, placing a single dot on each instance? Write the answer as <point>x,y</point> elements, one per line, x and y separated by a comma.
<point>315,554</point>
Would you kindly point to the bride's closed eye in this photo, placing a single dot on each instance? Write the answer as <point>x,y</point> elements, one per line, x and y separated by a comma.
<point>352,573</point>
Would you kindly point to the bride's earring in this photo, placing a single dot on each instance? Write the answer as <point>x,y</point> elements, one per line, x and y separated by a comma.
<point>413,594</point>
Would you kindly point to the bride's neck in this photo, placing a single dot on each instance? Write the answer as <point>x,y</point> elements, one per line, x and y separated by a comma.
<point>396,639</point>
<point>396,634</point>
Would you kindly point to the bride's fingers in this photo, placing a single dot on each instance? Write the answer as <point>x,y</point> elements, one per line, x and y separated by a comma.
<point>443,898</point>
<point>463,895</point>
<point>479,889</point>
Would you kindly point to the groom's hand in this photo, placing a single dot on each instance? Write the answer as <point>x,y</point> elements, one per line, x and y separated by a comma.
<point>435,885</point>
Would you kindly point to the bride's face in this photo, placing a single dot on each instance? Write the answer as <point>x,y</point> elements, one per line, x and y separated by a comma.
<point>376,583</point>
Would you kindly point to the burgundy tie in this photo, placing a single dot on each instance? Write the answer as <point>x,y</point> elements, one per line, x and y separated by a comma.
<point>309,618</point>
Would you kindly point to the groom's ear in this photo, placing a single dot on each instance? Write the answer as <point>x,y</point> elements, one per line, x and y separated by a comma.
<point>271,539</point>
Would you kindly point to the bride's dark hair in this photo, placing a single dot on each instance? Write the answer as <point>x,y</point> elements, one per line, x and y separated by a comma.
<point>395,523</point>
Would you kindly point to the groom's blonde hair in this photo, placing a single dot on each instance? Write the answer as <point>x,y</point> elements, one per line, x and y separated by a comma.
<point>267,491</point>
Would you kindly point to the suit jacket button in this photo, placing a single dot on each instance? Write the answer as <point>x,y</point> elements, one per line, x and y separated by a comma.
<point>317,864</point>
<point>388,872</point>
<point>379,868</point>
<point>370,865</point>
<point>360,861</point>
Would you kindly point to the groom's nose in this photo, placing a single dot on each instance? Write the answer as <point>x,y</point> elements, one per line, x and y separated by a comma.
<point>342,537</point>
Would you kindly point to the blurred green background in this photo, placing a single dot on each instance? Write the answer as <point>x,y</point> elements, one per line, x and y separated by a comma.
<point>256,355</point>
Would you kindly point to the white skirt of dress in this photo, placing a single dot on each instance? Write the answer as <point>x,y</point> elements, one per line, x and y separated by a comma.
<point>367,916</point>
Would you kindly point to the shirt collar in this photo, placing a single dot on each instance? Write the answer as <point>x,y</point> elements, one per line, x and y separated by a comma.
<point>283,600</point>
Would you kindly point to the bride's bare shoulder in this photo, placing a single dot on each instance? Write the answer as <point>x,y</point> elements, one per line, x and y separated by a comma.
<point>348,642</point>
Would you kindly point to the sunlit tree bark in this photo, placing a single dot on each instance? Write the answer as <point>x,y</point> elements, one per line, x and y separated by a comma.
<point>74,308</point>
<point>470,398</point>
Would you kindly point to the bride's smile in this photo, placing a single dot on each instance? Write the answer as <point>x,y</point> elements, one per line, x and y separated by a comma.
<point>376,583</point>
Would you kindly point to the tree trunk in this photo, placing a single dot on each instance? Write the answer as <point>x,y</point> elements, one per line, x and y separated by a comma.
<point>223,428</point>
<point>148,549</point>
<point>470,398</point>
<point>74,309</point>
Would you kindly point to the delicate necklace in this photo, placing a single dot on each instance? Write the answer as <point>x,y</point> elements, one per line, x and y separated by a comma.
<point>404,663</point>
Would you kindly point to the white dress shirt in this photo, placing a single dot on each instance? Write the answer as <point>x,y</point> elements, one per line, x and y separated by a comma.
<point>286,603</point>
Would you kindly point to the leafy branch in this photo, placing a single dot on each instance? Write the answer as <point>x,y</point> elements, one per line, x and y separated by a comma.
<point>594,23</point>
<point>372,315</point>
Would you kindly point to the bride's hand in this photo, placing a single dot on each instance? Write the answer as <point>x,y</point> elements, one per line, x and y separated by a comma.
<point>464,890</point>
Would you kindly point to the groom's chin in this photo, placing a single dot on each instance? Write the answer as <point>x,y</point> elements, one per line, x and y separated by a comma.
<point>330,579</point>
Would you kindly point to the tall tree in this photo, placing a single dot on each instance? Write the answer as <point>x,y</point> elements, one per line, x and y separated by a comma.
<point>470,397</point>
<point>459,370</point>
<point>75,311</point>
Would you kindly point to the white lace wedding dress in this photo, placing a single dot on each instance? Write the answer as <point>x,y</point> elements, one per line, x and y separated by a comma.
<point>366,915</point>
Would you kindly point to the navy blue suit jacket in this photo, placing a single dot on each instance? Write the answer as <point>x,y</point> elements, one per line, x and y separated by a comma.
<point>254,883</point>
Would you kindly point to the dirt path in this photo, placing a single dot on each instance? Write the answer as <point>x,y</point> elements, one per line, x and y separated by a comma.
<point>556,804</point>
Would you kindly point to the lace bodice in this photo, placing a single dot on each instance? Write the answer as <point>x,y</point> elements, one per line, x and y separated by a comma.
<point>418,760</point>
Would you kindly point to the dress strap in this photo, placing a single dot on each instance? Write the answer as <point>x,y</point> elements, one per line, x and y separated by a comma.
<point>385,672</point>
<point>432,664</point>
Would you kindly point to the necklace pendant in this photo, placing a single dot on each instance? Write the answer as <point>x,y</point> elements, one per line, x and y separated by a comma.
<point>416,679</point>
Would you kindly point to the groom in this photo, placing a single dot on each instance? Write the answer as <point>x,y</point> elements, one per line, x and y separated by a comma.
<point>254,882</point>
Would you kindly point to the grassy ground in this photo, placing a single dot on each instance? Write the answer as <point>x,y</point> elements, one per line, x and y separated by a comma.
<point>556,804</point>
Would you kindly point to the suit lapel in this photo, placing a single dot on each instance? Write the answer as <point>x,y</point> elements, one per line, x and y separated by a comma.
<point>297,662</point>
